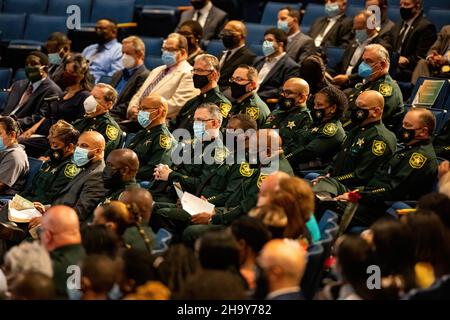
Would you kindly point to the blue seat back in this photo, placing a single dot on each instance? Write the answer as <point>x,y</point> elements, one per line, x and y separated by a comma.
<point>270,13</point>
<point>313,271</point>
<point>35,165</point>
<point>312,12</point>
<point>439,17</point>
<point>129,138</point>
<point>59,8</point>
<point>326,220</point>
<point>162,239</point>
<point>3,98</point>
<point>12,26</point>
<point>39,27</point>
<point>255,32</point>
<point>353,10</point>
<point>5,77</point>
<point>334,55</point>
<point>25,6</point>
<point>153,46</point>
<point>215,47</point>
<point>19,75</point>
<point>118,10</point>
<point>153,62</point>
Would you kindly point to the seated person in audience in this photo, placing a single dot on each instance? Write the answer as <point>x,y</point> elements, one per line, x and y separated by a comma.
<point>27,97</point>
<point>282,264</point>
<point>98,275</point>
<point>58,50</point>
<point>407,175</point>
<point>441,142</point>
<point>99,239</point>
<point>292,114</point>
<point>236,51</point>
<point>346,71</point>
<point>154,143</point>
<point>313,71</point>
<point>299,45</point>
<point>276,66</point>
<point>33,286</point>
<point>318,143</point>
<point>244,84</point>
<point>120,171</point>
<point>413,37</point>
<point>105,56</point>
<point>375,70</point>
<point>206,74</point>
<point>386,24</point>
<point>13,159</point>
<point>114,215</point>
<point>193,33</point>
<point>210,18</point>
<point>365,148</point>
<point>68,106</point>
<point>335,28</point>
<point>173,80</point>
<point>97,117</point>
<point>62,239</point>
<point>128,80</point>
<point>437,61</point>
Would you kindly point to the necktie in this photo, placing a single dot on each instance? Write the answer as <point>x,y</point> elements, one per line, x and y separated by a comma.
<point>24,99</point>
<point>224,58</point>
<point>402,37</point>
<point>197,18</point>
<point>153,84</point>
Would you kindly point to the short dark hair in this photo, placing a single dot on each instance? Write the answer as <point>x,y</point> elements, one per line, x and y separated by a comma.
<point>10,125</point>
<point>335,97</point>
<point>219,250</point>
<point>252,231</point>
<point>279,35</point>
<point>252,73</point>
<point>196,28</point>
<point>438,203</point>
<point>33,285</point>
<point>81,67</point>
<point>112,212</point>
<point>65,132</point>
<point>43,58</point>
<point>245,121</point>
<point>101,271</point>
<point>99,239</point>
<point>138,266</point>
<point>293,13</point>
<point>60,39</point>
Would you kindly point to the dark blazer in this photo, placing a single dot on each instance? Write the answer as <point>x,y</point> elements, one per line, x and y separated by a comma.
<point>31,111</point>
<point>300,47</point>
<point>214,22</point>
<point>284,69</point>
<point>84,192</point>
<point>339,35</point>
<point>418,41</point>
<point>119,111</point>
<point>243,56</point>
<point>289,296</point>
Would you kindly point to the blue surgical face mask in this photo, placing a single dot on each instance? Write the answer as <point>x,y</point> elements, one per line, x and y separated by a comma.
<point>199,129</point>
<point>54,58</point>
<point>81,156</point>
<point>283,25</point>
<point>74,294</point>
<point>115,293</point>
<point>361,35</point>
<point>332,9</point>
<point>267,48</point>
<point>2,145</point>
<point>364,70</point>
<point>144,118</point>
<point>169,58</point>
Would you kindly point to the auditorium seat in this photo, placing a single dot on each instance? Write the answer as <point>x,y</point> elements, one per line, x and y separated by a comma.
<point>19,75</point>
<point>5,77</point>
<point>441,99</point>
<point>255,32</point>
<point>35,166</point>
<point>12,26</point>
<point>59,8</point>
<point>270,13</point>
<point>3,97</point>
<point>215,47</point>
<point>153,62</point>
<point>353,10</point>
<point>257,49</point>
<point>439,17</point>
<point>152,46</point>
<point>313,271</point>
<point>120,11</point>
<point>334,55</point>
<point>394,13</point>
<point>25,6</point>
<point>312,12</point>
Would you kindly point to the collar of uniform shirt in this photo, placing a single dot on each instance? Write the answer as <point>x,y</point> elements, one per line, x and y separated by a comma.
<point>205,10</point>
<point>276,59</point>
<point>292,36</point>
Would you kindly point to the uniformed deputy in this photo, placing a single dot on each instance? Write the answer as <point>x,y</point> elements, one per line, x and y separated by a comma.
<point>375,71</point>
<point>292,114</point>
<point>205,77</point>
<point>243,85</point>
<point>441,142</point>
<point>410,173</point>
<point>120,171</point>
<point>59,169</point>
<point>97,117</point>
<point>318,143</point>
<point>154,143</point>
<point>364,149</point>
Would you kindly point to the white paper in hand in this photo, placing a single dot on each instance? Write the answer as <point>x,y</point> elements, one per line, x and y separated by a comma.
<point>22,216</point>
<point>194,205</point>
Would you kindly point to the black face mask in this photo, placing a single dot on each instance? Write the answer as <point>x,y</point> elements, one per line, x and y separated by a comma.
<point>285,103</point>
<point>200,81</point>
<point>198,4</point>
<point>406,135</point>
<point>406,13</point>
<point>359,115</point>
<point>318,115</point>
<point>262,284</point>
<point>100,38</point>
<point>56,155</point>
<point>111,178</point>
<point>230,41</point>
<point>238,90</point>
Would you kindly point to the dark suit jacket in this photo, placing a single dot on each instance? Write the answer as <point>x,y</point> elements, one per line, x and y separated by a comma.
<point>243,56</point>
<point>85,191</point>
<point>339,35</point>
<point>418,41</point>
<point>31,111</point>
<point>119,111</point>
<point>300,47</point>
<point>284,69</point>
<point>214,22</point>
<point>289,296</point>
<point>442,42</point>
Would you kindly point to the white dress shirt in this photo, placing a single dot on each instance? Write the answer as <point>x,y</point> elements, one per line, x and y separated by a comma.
<point>232,51</point>
<point>203,14</point>
<point>332,21</point>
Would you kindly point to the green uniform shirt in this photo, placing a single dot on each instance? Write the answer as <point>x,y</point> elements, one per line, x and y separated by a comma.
<point>252,106</point>
<point>105,125</point>
<point>152,146</point>
<point>185,118</point>
<point>442,142</point>
<point>289,123</point>
<point>50,180</point>
<point>135,240</point>
<point>114,195</point>
<point>363,150</point>
<point>389,89</point>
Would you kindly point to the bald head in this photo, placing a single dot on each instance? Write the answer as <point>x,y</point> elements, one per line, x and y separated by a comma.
<point>297,89</point>
<point>372,101</point>
<point>143,200</point>
<point>94,142</point>
<point>120,158</point>
<point>269,186</point>
<point>157,107</point>
<point>236,26</point>
<point>284,262</point>
<point>234,34</point>
<point>61,227</point>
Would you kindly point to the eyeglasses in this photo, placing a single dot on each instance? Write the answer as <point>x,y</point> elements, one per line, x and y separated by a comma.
<point>206,120</point>
<point>287,92</point>
<point>238,79</point>
<point>170,49</point>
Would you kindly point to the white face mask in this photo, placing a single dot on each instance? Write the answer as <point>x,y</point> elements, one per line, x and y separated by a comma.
<point>128,61</point>
<point>90,104</point>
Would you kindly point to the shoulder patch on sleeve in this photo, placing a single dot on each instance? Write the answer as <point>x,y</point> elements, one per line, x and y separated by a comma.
<point>245,170</point>
<point>220,154</point>
<point>330,129</point>
<point>165,142</point>
<point>385,89</point>
<point>417,160</point>
<point>224,109</point>
<point>252,112</point>
<point>112,132</point>
<point>261,178</point>
<point>71,170</point>
<point>378,147</point>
